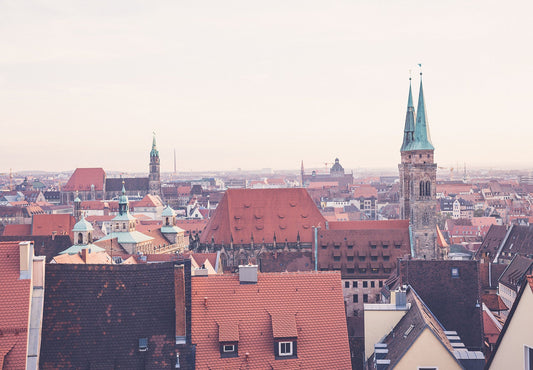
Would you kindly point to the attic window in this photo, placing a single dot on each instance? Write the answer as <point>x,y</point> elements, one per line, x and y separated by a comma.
<point>143,344</point>
<point>455,272</point>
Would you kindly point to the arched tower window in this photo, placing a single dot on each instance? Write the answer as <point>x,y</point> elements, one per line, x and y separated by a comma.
<point>428,188</point>
<point>422,188</point>
<point>80,238</point>
<point>89,238</point>
<point>167,222</point>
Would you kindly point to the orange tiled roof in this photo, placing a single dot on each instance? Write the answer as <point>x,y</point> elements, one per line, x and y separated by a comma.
<point>14,308</point>
<point>15,230</point>
<point>83,178</point>
<point>365,191</point>
<point>148,201</point>
<point>60,224</point>
<point>369,225</point>
<point>263,213</point>
<point>308,305</point>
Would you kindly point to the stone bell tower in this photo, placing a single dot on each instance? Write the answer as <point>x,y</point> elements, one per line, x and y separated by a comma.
<point>418,179</point>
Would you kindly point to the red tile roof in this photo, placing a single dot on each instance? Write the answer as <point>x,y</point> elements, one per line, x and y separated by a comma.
<point>14,229</point>
<point>14,308</point>
<point>490,330</point>
<point>369,225</point>
<point>263,213</point>
<point>494,302</point>
<point>60,224</point>
<point>191,225</point>
<point>365,191</point>
<point>83,178</point>
<point>148,201</point>
<point>308,305</point>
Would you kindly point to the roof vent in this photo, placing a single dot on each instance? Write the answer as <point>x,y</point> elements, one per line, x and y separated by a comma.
<point>248,274</point>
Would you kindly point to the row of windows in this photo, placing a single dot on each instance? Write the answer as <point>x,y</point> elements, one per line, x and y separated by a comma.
<point>365,298</point>
<point>355,284</point>
<point>360,258</point>
<point>281,350</point>
<point>372,246</point>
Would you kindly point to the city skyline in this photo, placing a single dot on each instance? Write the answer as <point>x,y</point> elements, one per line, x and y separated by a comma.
<point>250,85</point>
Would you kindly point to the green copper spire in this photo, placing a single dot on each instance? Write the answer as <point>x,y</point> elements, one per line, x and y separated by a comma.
<point>409,130</point>
<point>123,203</point>
<point>422,137</point>
<point>154,152</point>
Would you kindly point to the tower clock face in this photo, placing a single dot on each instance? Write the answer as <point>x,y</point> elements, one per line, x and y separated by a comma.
<point>425,218</point>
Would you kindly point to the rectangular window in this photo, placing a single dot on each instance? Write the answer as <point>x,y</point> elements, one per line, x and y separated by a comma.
<point>336,258</point>
<point>337,246</point>
<point>355,298</point>
<point>378,298</point>
<point>365,298</point>
<point>381,284</point>
<point>350,271</point>
<point>362,258</point>
<point>397,246</point>
<point>365,284</point>
<point>350,258</point>
<point>385,246</point>
<point>354,284</point>
<point>373,258</point>
<point>350,246</point>
<point>372,284</point>
<point>373,246</point>
<point>228,348</point>
<point>346,284</point>
<point>324,246</point>
<point>386,258</point>
<point>285,348</point>
<point>362,271</point>
<point>455,272</point>
<point>374,271</point>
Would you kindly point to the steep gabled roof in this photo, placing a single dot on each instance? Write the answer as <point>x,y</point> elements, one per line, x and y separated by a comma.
<point>131,184</point>
<point>263,213</point>
<point>410,327</point>
<point>311,301</point>
<point>455,300</point>
<point>14,308</point>
<point>83,178</point>
<point>94,316</point>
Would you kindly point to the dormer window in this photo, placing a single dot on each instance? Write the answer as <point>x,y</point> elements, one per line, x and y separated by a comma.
<point>229,349</point>
<point>285,348</point>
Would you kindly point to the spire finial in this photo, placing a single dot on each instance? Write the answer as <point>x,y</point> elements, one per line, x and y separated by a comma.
<point>420,66</point>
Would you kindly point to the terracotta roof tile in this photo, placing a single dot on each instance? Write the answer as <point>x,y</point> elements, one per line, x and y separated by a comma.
<point>58,224</point>
<point>315,300</point>
<point>263,213</point>
<point>14,308</point>
<point>13,229</point>
<point>83,178</point>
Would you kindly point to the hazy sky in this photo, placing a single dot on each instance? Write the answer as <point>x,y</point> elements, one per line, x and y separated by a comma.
<point>256,84</point>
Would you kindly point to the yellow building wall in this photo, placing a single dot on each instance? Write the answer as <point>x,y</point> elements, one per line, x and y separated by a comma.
<point>428,351</point>
<point>511,352</point>
<point>379,323</point>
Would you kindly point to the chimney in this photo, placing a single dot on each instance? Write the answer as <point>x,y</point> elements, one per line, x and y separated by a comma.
<point>200,271</point>
<point>84,253</point>
<point>26,259</point>
<point>248,274</point>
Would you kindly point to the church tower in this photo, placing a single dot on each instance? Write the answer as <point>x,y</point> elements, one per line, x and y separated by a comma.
<point>154,177</point>
<point>418,179</point>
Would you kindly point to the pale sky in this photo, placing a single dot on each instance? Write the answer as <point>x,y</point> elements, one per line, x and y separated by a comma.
<point>254,84</point>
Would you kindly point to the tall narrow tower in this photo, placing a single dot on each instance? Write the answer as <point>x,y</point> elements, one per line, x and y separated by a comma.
<point>154,177</point>
<point>418,178</point>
